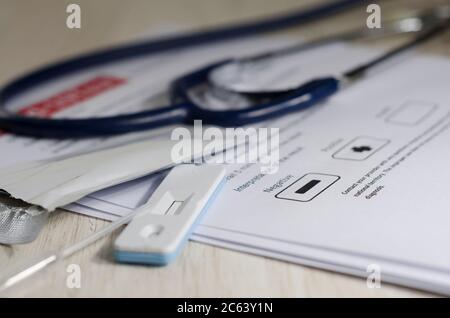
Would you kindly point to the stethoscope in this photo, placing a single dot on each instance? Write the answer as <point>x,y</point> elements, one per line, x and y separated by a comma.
<point>184,108</point>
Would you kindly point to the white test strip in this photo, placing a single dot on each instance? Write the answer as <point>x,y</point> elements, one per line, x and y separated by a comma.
<point>157,233</point>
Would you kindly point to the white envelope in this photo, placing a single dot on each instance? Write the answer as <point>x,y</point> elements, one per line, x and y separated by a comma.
<point>54,184</point>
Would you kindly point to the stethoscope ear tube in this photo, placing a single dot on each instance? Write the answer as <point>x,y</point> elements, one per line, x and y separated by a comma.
<point>302,98</point>
<point>105,56</point>
<point>94,127</point>
<point>69,129</point>
<point>308,95</point>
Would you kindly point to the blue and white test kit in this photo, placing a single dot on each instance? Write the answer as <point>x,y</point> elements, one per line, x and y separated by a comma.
<point>162,226</point>
<point>158,229</point>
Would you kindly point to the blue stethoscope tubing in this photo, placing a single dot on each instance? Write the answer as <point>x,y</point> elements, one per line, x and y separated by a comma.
<point>183,110</point>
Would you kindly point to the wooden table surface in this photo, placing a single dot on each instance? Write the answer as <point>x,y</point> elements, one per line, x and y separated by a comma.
<point>33,32</point>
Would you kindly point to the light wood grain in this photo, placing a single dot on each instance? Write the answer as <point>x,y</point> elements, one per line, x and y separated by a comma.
<point>33,32</point>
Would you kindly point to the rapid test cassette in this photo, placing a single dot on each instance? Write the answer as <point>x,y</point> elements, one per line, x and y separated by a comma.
<point>161,227</point>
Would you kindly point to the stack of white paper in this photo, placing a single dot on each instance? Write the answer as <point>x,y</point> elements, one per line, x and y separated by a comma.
<point>362,182</point>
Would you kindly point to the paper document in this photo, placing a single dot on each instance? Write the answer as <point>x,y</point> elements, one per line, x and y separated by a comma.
<point>362,181</point>
<point>361,185</point>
